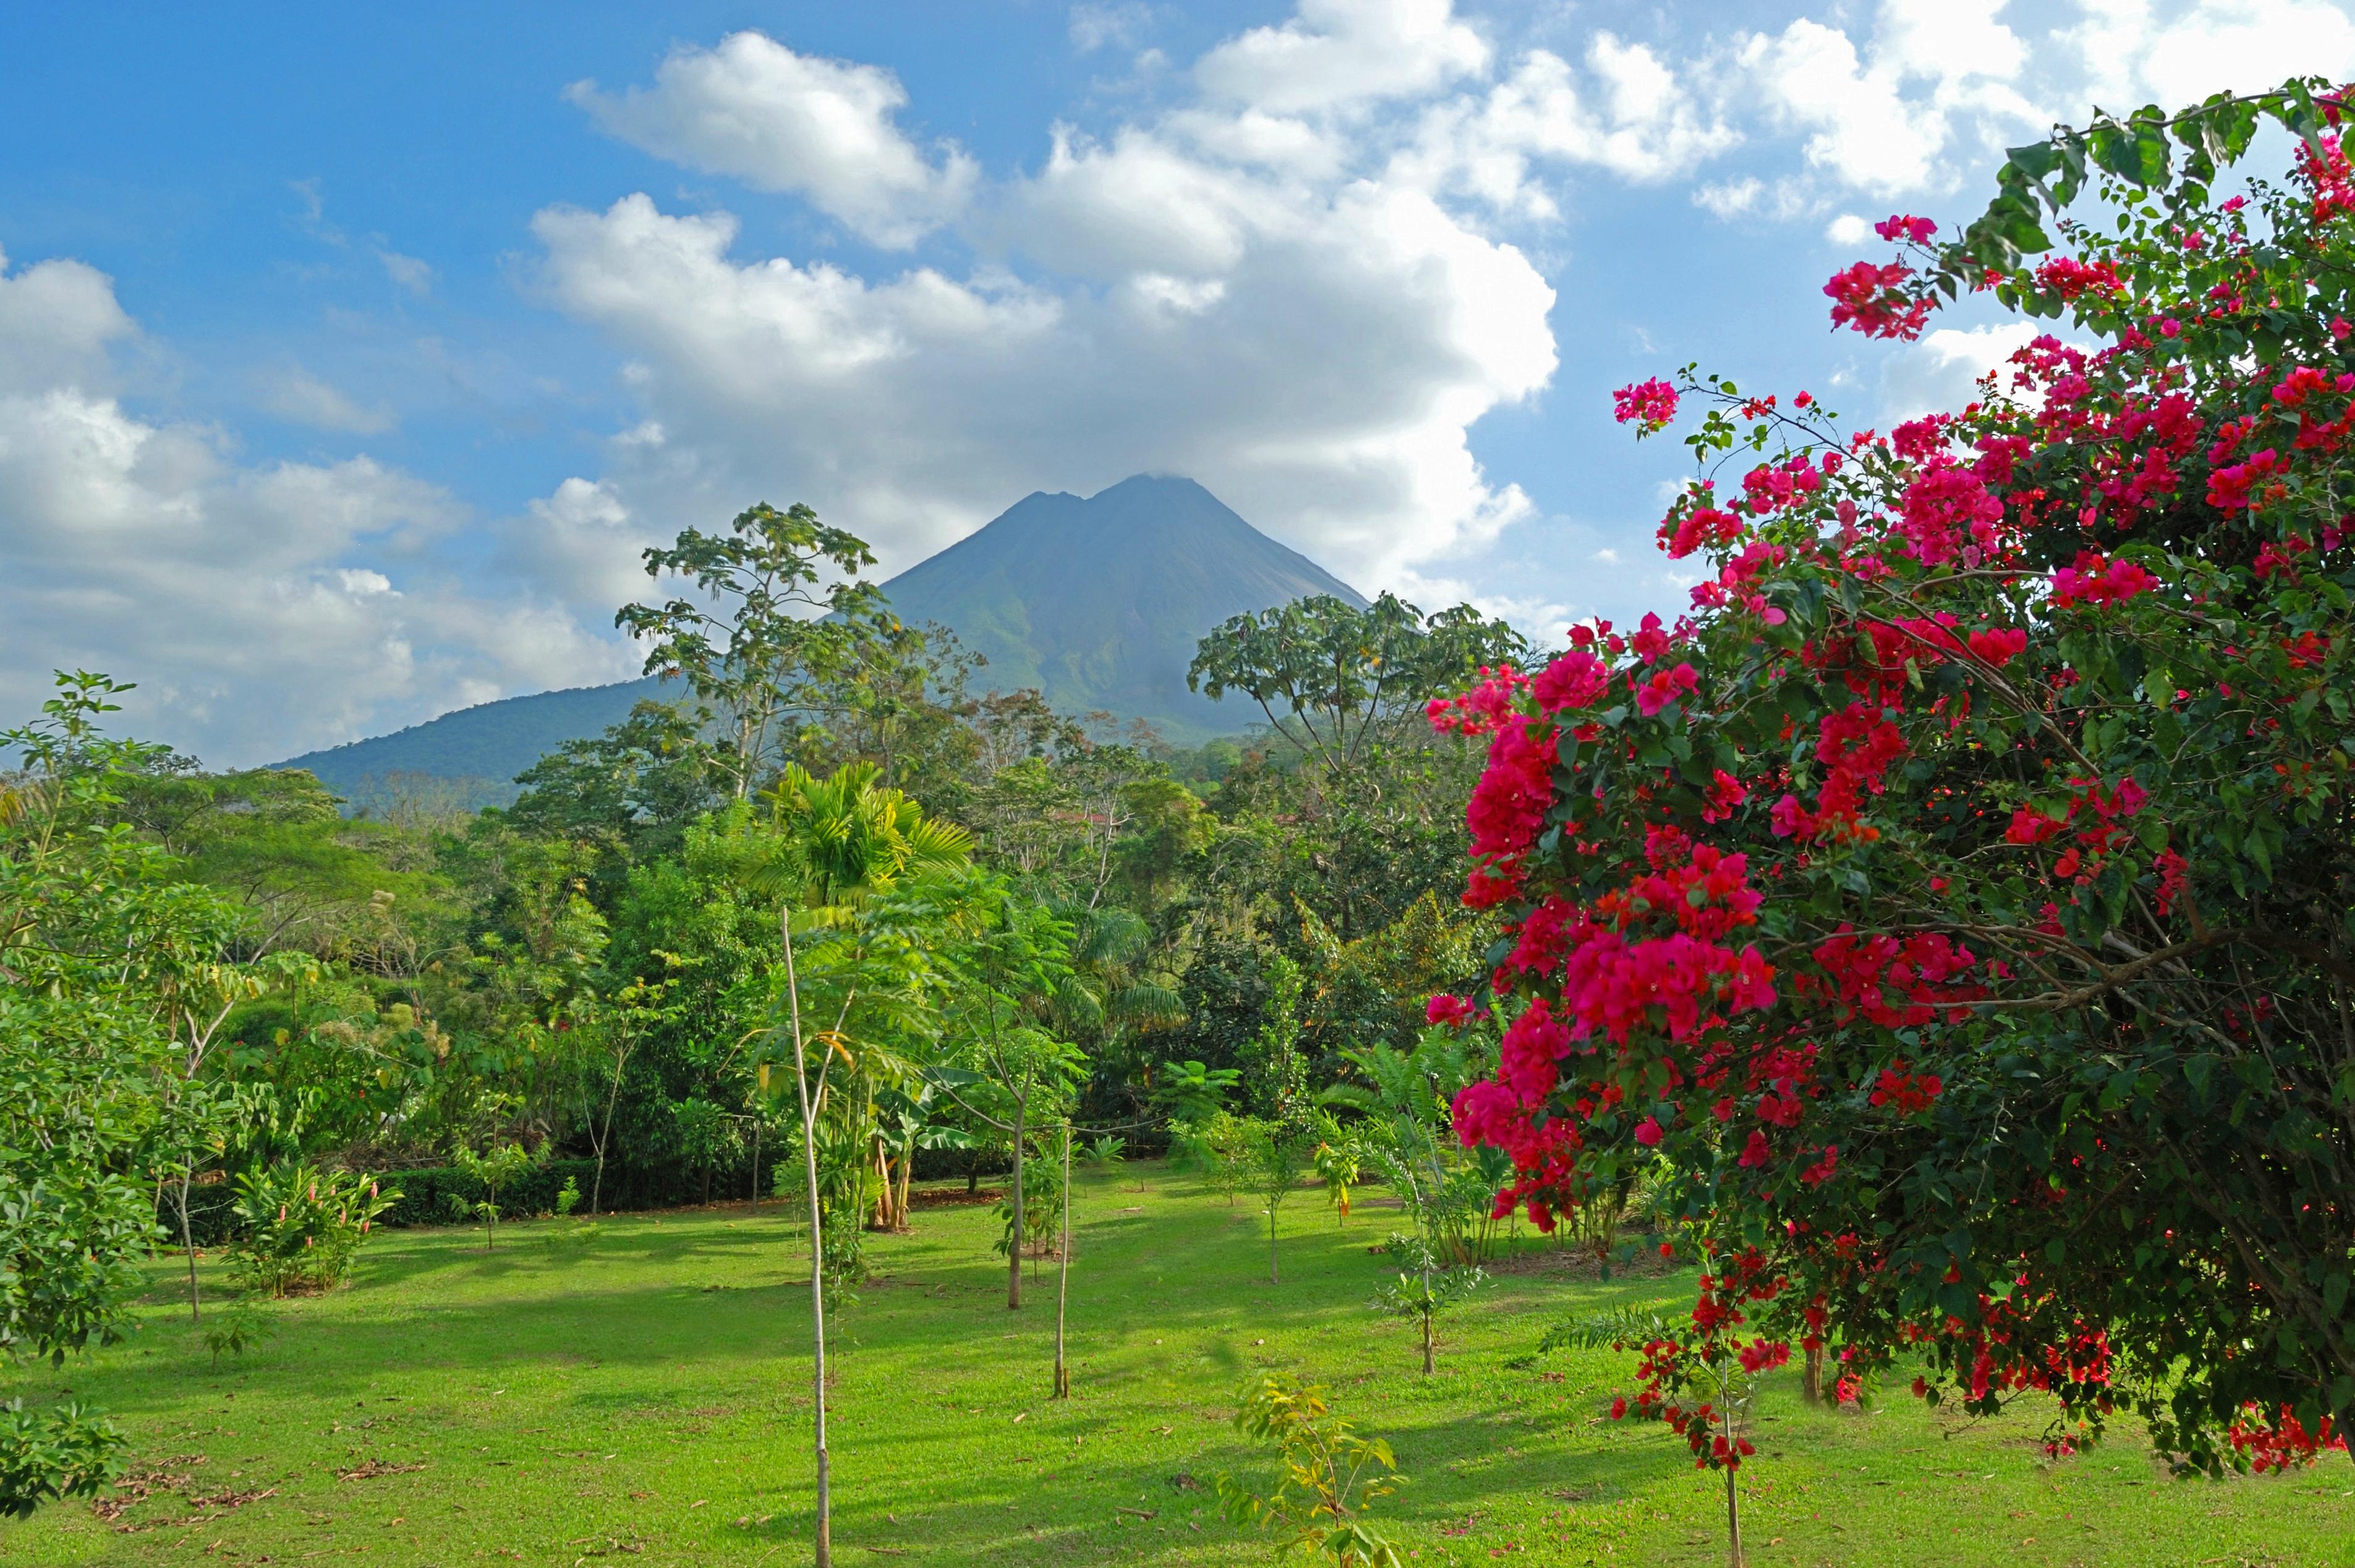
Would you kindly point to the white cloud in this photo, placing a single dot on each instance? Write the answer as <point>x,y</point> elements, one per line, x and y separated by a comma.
<point>59,319</point>
<point>1342,54</point>
<point>1886,119</point>
<point>824,129</point>
<point>1941,371</point>
<point>296,394</point>
<point>1139,204</point>
<point>1865,133</point>
<point>1636,121</point>
<point>1122,25</point>
<point>582,541</point>
<point>408,272</point>
<point>1321,381</point>
<point>262,609</point>
<point>2180,54</point>
<point>1751,196</point>
<point>1256,286</point>
<point>1847,228</point>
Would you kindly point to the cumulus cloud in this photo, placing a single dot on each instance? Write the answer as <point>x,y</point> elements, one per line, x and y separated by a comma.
<point>1922,96</point>
<point>1942,370</point>
<point>1323,380</point>
<point>752,109</point>
<point>2134,50</point>
<point>58,320</point>
<point>1344,54</point>
<point>262,609</point>
<point>1260,284</point>
<point>1631,117</point>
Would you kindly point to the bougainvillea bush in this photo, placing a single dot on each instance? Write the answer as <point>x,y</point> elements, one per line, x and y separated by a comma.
<point>1959,901</point>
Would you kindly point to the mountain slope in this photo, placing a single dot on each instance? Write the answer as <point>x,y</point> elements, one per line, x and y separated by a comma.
<point>1097,601</point>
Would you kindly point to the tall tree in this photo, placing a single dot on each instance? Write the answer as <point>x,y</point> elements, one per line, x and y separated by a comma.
<point>753,633</point>
<point>1336,681</point>
<point>92,924</point>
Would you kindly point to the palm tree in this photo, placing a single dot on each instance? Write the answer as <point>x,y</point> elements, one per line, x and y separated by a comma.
<point>1116,989</point>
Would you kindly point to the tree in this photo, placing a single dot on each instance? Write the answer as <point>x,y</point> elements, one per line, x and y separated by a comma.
<point>1424,1288</point>
<point>616,1029</point>
<point>1276,1150</point>
<point>628,795</point>
<point>1957,901</point>
<point>750,640</point>
<point>835,845</point>
<point>1011,959</point>
<point>1336,681</point>
<point>1331,1475</point>
<point>493,1171</point>
<point>86,1056</point>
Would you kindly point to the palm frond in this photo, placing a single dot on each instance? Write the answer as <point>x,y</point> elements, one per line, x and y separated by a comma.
<point>1619,1328</point>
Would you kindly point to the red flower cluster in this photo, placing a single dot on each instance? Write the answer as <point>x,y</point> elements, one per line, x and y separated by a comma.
<point>1666,686</point>
<point>1649,405</point>
<point>2237,486</point>
<point>2094,581</point>
<point>2284,1441</point>
<point>1873,299</point>
<point>1669,1367</point>
<point>1998,645</point>
<point>2069,278</point>
<point>1508,805</point>
<point>1896,983</point>
<point>1480,709</point>
<point>1910,1093</point>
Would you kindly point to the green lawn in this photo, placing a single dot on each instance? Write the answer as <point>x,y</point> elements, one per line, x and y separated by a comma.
<point>638,1391</point>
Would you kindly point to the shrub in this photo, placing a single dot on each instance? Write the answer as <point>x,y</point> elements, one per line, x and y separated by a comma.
<point>1330,1477</point>
<point>302,1226</point>
<point>1956,902</point>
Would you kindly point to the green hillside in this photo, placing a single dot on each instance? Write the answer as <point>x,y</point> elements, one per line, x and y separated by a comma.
<point>1098,602</point>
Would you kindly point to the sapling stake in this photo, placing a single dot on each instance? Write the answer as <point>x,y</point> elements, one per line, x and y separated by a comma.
<point>1732,1497</point>
<point>1063,1273</point>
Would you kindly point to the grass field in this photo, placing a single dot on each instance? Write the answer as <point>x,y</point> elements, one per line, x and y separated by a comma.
<point>637,1390</point>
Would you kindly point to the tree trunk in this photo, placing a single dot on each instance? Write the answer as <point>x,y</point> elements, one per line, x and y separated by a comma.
<point>1063,1275</point>
<point>907,1168</point>
<point>1271,1244</point>
<point>1428,1364</point>
<point>1811,1376</point>
<point>752,1193</point>
<point>883,1218</point>
<point>1014,1254</point>
<point>605,1138</point>
<point>188,1246</point>
<point>823,1554</point>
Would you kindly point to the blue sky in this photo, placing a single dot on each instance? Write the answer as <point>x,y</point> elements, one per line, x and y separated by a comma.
<point>348,357</point>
